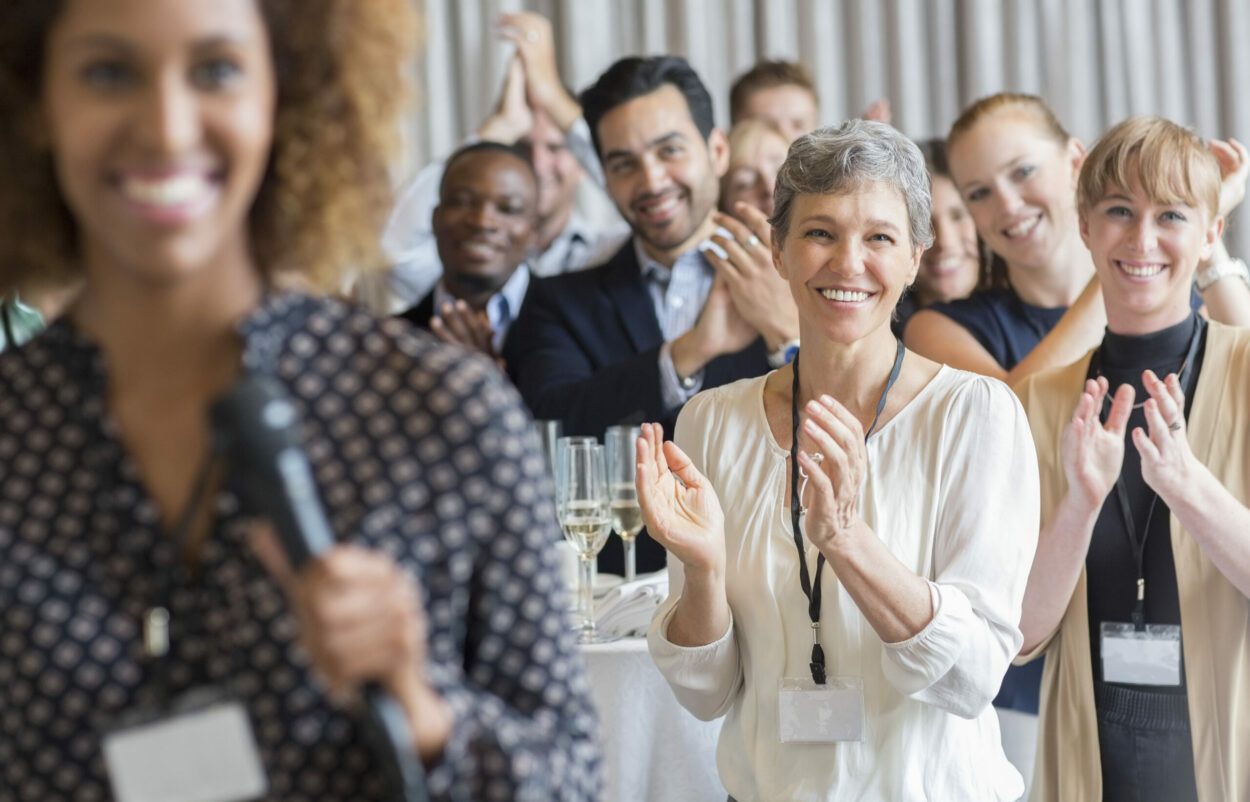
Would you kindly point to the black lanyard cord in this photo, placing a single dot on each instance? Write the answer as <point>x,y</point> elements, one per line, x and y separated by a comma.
<point>156,618</point>
<point>1137,545</point>
<point>10,340</point>
<point>812,590</point>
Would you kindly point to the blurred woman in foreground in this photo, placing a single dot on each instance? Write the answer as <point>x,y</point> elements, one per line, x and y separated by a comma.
<point>186,159</point>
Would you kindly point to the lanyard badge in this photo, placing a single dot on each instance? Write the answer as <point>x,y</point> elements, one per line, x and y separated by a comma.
<point>823,709</point>
<point>197,747</point>
<point>1138,653</point>
<point>201,750</point>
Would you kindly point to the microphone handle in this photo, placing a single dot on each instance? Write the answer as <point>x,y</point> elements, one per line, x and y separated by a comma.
<point>293,507</point>
<point>404,776</point>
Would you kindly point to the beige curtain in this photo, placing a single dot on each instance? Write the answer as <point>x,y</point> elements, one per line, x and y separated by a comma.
<point>1095,61</point>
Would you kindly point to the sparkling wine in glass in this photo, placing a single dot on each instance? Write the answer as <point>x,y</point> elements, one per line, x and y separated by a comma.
<point>582,506</point>
<point>620,450</point>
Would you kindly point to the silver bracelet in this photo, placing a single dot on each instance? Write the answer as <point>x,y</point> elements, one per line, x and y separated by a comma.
<point>1219,270</point>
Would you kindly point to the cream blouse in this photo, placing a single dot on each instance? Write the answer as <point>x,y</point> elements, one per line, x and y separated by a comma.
<point>952,488</point>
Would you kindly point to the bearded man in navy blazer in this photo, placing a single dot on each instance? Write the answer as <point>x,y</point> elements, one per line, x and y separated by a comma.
<point>634,339</point>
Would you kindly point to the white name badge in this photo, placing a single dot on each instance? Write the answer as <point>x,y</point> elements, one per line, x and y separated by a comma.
<point>811,713</point>
<point>203,755</point>
<point>1149,657</point>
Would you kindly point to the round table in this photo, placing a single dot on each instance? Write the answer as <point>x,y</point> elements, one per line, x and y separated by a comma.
<point>654,749</point>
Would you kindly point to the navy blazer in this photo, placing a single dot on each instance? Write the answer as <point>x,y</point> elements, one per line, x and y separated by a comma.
<point>585,350</point>
<point>420,314</point>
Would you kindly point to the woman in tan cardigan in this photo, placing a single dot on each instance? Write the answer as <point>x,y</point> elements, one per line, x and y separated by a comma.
<point>1138,593</point>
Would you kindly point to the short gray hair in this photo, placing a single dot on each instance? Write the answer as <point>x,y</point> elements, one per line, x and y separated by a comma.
<point>842,159</point>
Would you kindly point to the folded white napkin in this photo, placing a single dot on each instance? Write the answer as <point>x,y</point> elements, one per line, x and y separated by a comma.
<point>625,610</point>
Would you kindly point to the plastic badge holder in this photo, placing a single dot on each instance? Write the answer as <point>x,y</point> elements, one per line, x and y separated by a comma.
<point>1149,657</point>
<point>201,753</point>
<point>811,713</point>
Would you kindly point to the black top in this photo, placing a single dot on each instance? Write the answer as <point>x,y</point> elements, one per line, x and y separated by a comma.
<point>1110,563</point>
<point>906,307</point>
<point>1005,326</point>
<point>417,450</point>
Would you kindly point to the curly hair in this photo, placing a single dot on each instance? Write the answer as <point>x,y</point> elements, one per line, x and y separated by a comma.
<point>343,79</point>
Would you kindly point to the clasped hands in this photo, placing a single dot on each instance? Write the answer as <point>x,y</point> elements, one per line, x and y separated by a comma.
<point>761,297</point>
<point>749,299</point>
<point>1093,452</point>
<point>460,324</point>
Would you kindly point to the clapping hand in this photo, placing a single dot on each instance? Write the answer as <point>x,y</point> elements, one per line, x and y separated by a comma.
<point>512,117</point>
<point>879,110</point>
<point>759,293</point>
<point>535,45</point>
<point>679,506</point>
<point>832,454</point>
<point>1234,168</point>
<point>1167,464</point>
<point>721,324</point>
<point>460,324</point>
<point>1093,453</point>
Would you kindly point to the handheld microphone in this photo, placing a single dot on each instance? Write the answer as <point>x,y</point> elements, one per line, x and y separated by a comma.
<point>256,428</point>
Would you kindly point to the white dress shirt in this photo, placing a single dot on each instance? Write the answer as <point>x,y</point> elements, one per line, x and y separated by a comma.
<point>677,294</point>
<point>952,489</point>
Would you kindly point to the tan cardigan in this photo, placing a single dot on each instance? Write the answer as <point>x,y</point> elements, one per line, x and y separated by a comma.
<point>1215,616</point>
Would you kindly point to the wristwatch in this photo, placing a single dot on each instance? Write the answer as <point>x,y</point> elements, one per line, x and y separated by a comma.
<point>1217,271</point>
<point>784,354</point>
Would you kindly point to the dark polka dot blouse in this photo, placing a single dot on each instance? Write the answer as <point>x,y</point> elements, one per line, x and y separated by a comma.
<point>418,449</point>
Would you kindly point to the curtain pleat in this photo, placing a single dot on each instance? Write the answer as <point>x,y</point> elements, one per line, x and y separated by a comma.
<point>1094,61</point>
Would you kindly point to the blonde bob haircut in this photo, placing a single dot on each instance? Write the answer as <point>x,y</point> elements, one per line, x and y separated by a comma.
<point>1171,163</point>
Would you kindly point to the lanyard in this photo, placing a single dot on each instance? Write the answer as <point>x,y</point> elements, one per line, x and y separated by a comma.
<point>810,590</point>
<point>10,341</point>
<point>156,617</point>
<point>1137,545</point>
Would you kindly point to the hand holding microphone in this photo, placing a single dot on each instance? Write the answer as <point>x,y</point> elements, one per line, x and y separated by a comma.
<point>360,615</point>
<point>361,621</point>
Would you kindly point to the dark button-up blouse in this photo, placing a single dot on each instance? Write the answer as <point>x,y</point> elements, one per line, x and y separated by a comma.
<point>419,451</point>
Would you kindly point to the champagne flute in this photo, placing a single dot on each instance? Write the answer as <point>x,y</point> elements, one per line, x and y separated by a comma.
<point>582,507</point>
<point>549,431</point>
<point>620,444</point>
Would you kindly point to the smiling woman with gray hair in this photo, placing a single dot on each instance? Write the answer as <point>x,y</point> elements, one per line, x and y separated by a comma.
<point>852,619</point>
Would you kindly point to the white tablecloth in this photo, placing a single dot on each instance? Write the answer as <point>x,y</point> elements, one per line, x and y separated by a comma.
<point>654,750</point>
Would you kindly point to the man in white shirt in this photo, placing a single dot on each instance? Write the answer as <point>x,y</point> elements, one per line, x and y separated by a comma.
<point>565,239</point>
